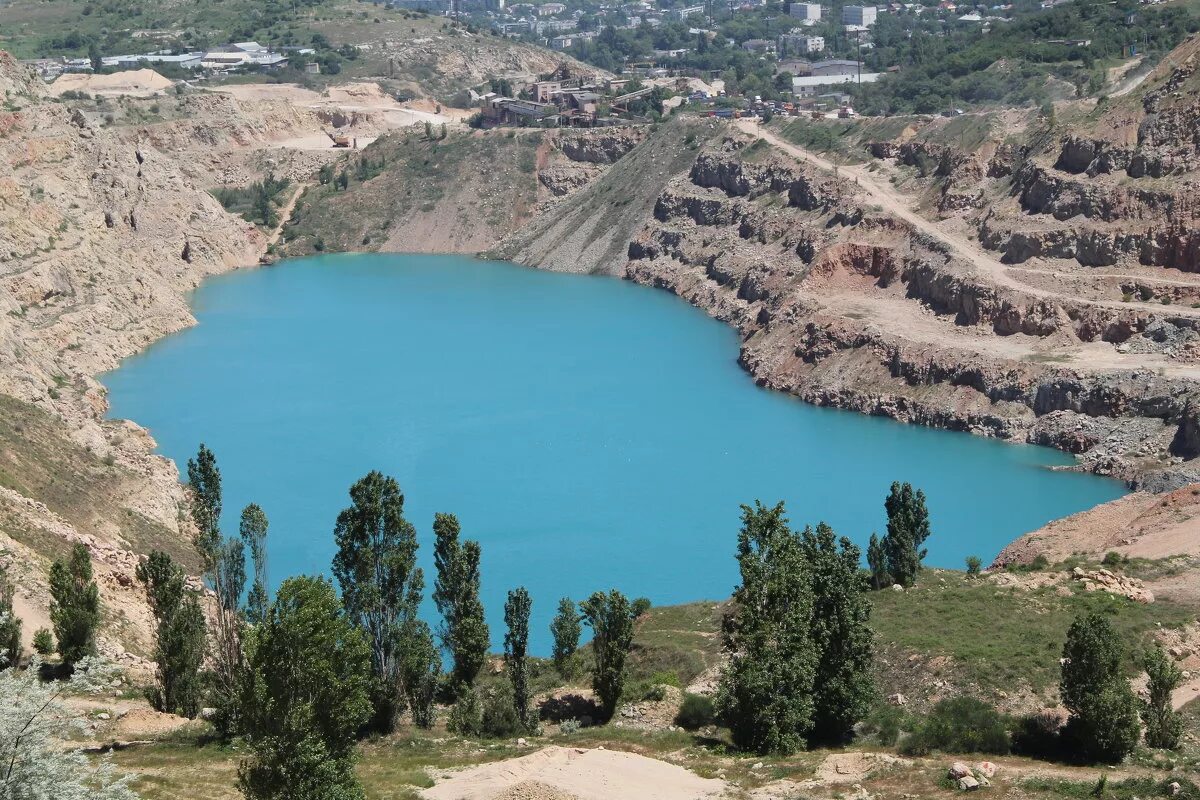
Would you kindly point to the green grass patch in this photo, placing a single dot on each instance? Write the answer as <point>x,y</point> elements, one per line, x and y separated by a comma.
<point>1001,636</point>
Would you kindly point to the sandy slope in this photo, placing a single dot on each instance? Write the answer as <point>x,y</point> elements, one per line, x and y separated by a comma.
<point>576,774</point>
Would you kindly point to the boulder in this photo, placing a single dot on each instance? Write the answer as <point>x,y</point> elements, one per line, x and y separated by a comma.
<point>968,784</point>
<point>986,768</point>
<point>959,770</point>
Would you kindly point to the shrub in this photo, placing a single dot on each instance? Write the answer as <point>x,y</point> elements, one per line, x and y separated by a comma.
<point>500,718</point>
<point>974,565</point>
<point>466,717</point>
<point>43,642</point>
<point>569,726</point>
<point>1038,735</point>
<point>1113,559</point>
<point>696,712</point>
<point>1040,562</point>
<point>666,678</point>
<point>960,725</point>
<point>886,723</point>
<point>655,694</point>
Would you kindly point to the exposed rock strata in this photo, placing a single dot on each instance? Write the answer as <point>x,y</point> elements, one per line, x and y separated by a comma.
<point>848,307</point>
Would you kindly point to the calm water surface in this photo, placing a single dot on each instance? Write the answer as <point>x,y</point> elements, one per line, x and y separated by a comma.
<point>591,433</point>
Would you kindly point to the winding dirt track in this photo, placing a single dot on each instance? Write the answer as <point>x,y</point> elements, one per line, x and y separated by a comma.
<point>990,270</point>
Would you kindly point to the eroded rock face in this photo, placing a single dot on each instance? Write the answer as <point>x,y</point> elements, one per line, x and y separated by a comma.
<point>603,146</point>
<point>724,239</point>
<point>102,235</point>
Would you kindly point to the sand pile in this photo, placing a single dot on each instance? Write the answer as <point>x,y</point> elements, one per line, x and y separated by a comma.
<point>562,773</point>
<point>136,82</point>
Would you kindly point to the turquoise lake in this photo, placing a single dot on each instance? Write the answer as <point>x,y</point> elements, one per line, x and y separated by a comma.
<point>591,433</point>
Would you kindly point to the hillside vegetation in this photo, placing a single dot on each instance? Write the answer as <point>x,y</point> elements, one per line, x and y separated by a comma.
<point>415,191</point>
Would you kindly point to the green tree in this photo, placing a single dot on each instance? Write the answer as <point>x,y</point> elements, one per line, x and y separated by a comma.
<point>843,690</point>
<point>179,636</point>
<point>43,642</point>
<point>74,605</point>
<point>907,530</point>
<point>1103,725</point>
<point>375,566</point>
<point>765,695</point>
<point>566,630</point>
<point>253,530</point>
<point>456,594</point>
<point>516,642</point>
<point>204,479</point>
<point>877,562</point>
<point>228,657</point>
<point>1164,725</point>
<point>610,616</point>
<point>420,669</point>
<point>10,624</point>
<point>307,697</point>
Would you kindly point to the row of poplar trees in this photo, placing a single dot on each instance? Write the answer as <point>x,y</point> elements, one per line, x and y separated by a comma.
<point>301,678</point>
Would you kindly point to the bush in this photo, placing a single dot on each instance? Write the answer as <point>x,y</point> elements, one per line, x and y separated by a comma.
<point>886,723</point>
<point>43,642</point>
<point>960,725</point>
<point>1113,559</point>
<point>466,717</point>
<point>696,712</point>
<point>666,678</point>
<point>500,718</point>
<point>1038,735</point>
<point>569,726</point>
<point>974,565</point>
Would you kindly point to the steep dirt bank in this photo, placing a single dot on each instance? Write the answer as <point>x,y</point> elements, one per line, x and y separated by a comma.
<point>102,235</point>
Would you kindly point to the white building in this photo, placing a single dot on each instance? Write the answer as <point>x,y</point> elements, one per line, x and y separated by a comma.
<point>809,11</point>
<point>684,13</point>
<point>813,85</point>
<point>859,15</point>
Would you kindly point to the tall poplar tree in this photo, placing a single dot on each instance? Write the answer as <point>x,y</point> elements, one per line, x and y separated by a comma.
<point>1164,725</point>
<point>843,690</point>
<point>610,616</point>
<point>375,567</point>
<point>179,636</point>
<point>516,642</point>
<point>566,630</point>
<point>907,530</point>
<point>765,695</point>
<point>1103,725</point>
<point>204,479</point>
<point>253,530</point>
<point>74,606</point>
<point>456,594</point>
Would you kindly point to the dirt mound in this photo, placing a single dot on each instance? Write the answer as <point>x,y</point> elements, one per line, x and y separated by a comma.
<point>136,82</point>
<point>534,790</point>
<point>1140,525</point>
<point>561,773</point>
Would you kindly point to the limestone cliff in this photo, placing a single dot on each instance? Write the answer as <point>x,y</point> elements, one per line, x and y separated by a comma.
<point>101,237</point>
